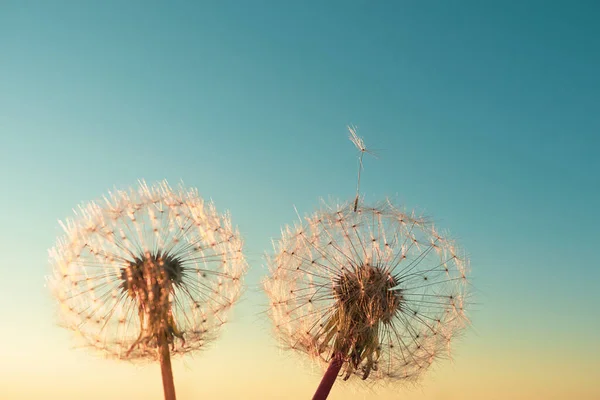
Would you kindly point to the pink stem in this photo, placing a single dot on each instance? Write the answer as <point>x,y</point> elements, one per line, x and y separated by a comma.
<point>329,378</point>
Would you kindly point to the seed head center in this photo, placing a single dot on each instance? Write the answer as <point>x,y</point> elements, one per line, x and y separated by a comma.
<point>364,293</point>
<point>150,272</point>
<point>149,280</point>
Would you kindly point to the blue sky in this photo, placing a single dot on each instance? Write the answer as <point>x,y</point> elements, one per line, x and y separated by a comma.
<point>485,116</point>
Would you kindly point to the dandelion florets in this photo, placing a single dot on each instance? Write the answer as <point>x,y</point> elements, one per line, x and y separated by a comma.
<point>376,286</point>
<point>146,266</point>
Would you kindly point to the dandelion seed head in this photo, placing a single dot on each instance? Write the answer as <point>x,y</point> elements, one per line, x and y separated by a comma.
<point>145,265</point>
<point>377,285</point>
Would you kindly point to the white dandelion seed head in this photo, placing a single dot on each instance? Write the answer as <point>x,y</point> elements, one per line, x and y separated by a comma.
<point>144,265</point>
<point>379,286</point>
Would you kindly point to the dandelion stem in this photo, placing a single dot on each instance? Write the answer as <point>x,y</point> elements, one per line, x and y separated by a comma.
<point>329,378</point>
<point>165,369</point>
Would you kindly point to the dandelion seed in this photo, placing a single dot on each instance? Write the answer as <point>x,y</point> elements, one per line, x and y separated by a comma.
<point>146,270</point>
<point>360,145</point>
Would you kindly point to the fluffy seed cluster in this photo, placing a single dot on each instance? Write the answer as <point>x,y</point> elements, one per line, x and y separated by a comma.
<point>378,287</point>
<point>147,265</point>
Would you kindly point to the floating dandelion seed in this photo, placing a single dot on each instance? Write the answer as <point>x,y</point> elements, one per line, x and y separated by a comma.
<point>368,291</point>
<point>148,269</point>
<point>360,145</point>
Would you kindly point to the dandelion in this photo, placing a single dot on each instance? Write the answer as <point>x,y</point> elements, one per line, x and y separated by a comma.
<point>147,273</point>
<point>373,292</point>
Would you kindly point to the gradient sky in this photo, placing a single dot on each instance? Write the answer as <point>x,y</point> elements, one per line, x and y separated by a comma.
<point>485,116</point>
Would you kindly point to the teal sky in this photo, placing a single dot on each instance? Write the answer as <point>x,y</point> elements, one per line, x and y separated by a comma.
<point>485,116</point>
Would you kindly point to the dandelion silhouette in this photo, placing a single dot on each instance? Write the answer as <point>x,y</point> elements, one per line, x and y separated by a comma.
<point>148,269</point>
<point>369,291</point>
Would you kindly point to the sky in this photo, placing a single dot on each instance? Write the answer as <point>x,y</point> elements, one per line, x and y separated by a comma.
<point>485,116</point>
